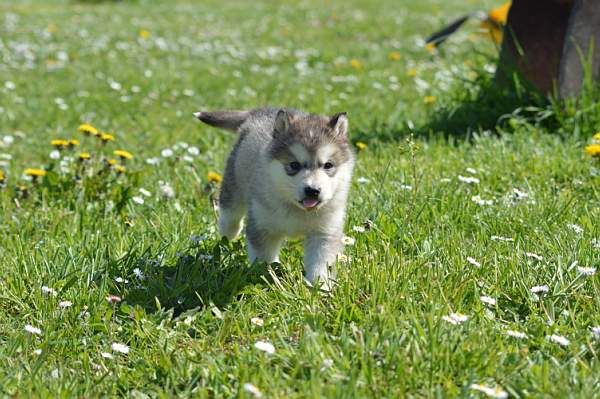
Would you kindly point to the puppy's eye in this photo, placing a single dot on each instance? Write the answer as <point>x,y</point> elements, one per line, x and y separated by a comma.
<point>328,165</point>
<point>293,167</point>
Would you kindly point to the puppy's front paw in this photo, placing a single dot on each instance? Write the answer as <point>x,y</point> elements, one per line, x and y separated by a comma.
<point>324,283</point>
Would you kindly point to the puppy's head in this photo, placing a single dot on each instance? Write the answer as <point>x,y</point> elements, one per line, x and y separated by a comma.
<point>311,158</point>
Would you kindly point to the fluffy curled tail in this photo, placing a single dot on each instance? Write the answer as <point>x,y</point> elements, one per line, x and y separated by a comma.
<point>228,120</point>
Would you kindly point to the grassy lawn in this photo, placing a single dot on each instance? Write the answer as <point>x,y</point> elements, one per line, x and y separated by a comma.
<point>474,211</point>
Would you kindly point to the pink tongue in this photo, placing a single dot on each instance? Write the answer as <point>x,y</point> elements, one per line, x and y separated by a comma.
<point>309,202</point>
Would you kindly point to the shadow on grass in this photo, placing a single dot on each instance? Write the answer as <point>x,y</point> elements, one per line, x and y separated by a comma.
<point>482,105</point>
<point>207,273</point>
<point>479,105</point>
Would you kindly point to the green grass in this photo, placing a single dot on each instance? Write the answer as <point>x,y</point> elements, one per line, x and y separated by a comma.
<point>381,332</point>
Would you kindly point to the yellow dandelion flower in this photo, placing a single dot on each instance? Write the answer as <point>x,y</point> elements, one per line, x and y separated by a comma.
<point>214,177</point>
<point>593,150</point>
<point>144,34</point>
<point>106,137</point>
<point>499,15</point>
<point>394,56</point>
<point>73,143</point>
<point>111,162</point>
<point>431,48</point>
<point>428,100</point>
<point>361,146</point>
<point>411,72</point>
<point>356,64</point>
<point>84,156</point>
<point>2,176</point>
<point>123,154</point>
<point>596,137</point>
<point>120,169</point>
<point>59,143</point>
<point>88,129</point>
<point>33,172</point>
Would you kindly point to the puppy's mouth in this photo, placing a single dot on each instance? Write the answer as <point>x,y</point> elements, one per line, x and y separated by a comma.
<point>310,203</point>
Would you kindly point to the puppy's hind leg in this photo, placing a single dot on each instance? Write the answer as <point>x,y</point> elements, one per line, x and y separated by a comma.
<point>230,222</point>
<point>232,206</point>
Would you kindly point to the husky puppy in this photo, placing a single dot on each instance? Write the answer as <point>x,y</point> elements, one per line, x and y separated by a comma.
<point>289,173</point>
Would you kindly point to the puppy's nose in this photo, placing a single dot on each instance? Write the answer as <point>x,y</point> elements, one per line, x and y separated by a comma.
<point>311,192</point>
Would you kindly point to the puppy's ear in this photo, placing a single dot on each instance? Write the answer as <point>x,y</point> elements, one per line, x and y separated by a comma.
<point>339,124</point>
<point>282,123</point>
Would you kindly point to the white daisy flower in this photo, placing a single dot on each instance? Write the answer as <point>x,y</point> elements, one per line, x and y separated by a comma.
<point>166,153</point>
<point>540,289</point>
<point>534,256</point>
<point>194,151</point>
<point>455,318</point>
<point>471,171</point>
<point>342,258</point>
<point>138,273</point>
<point>37,352</point>
<point>121,348</point>
<point>468,179</point>
<point>166,191</point>
<point>596,332</point>
<point>327,363</point>
<point>145,192</point>
<point>115,85</point>
<point>264,346</point>
<point>480,201</point>
<point>138,200</point>
<point>576,228</point>
<point>473,262</point>
<point>493,392</point>
<point>516,334</point>
<point>32,330</point>
<point>362,180</point>
<point>106,355</point>
<point>359,229</point>
<point>252,390</point>
<point>488,300</point>
<point>55,154</point>
<point>153,161</point>
<point>48,291</point>
<point>559,339</point>
<point>586,271</point>
<point>519,195</point>
<point>500,238</point>
<point>347,240</point>
<point>217,312</point>
<point>113,299</point>
<point>65,304</point>
<point>257,321</point>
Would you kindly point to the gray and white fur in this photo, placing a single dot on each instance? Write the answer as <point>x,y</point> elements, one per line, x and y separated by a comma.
<point>289,173</point>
